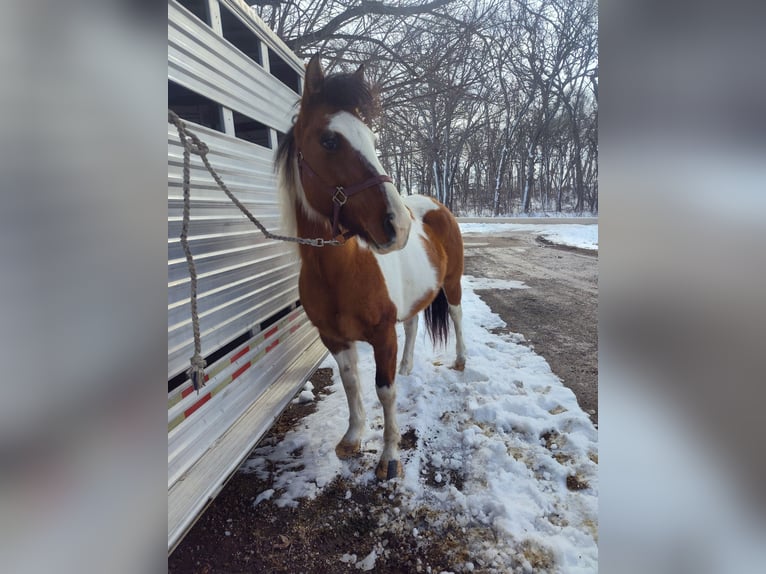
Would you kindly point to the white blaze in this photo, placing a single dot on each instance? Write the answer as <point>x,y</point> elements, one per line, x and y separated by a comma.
<point>361,138</point>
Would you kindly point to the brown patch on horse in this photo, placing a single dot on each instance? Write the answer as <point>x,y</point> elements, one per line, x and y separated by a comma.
<point>339,317</point>
<point>422,303</point>
<point>441,223</point>
<point>384,344</point>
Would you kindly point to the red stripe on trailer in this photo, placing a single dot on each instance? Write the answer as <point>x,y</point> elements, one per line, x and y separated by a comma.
<point>197,405</point>
<point>242,352</point>
<point>274,344</point>
<point>271,332</point>
<point>241,370</point>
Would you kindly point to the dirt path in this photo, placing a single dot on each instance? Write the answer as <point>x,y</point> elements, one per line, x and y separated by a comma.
<point>557,315</point>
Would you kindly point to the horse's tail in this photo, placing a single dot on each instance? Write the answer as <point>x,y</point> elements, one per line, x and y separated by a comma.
<point>436,315</point>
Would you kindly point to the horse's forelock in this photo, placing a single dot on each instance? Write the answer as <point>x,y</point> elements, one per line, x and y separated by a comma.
<point>350,92</point>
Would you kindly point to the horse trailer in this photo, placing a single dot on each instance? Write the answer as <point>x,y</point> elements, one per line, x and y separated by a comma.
<point>234,83</point>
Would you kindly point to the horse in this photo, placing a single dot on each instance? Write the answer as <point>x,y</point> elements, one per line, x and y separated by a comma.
<point>398,255</point>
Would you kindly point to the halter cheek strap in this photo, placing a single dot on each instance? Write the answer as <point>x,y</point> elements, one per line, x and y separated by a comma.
<point>339,193</point>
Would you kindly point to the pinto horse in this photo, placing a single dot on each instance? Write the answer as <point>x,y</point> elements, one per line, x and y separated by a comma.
<point>402,255</point>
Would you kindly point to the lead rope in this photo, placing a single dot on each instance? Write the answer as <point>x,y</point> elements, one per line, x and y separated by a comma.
<point>192,144</point>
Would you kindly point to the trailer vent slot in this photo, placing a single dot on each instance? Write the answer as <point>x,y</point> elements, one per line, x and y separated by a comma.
<point>193,107</point>
<point>236,32</point>
<point>197,7</point>
<point>283,72</point>
<point>250,130</point>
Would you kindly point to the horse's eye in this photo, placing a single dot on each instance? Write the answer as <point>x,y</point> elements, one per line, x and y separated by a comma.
<point>330,142</point>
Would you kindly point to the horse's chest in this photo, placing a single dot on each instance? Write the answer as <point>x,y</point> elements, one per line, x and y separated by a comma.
<point>346,302</point>
<point>344,309</point>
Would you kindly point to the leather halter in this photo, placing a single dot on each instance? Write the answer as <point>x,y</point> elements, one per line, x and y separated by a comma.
<point>339,193</point>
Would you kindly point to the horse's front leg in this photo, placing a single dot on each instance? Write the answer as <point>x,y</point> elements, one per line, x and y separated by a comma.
<point>350,444</point>
<point>384,347</point>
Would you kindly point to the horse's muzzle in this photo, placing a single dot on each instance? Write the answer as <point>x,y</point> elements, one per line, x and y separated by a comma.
<point>397,230</point>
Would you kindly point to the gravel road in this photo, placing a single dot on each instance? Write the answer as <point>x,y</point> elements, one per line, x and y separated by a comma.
<point>557,314</point>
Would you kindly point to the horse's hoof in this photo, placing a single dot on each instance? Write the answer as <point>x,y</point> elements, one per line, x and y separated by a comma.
<point>405,369</point>
<point>459,366</point>
<point>346,450</point>
<point>389,470</point>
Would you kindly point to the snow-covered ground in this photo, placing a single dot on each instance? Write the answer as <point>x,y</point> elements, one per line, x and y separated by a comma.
<point>571,234</point>
<point>525,453</point>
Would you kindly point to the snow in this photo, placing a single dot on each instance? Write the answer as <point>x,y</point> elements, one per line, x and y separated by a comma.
<point>570,234</point>
<point>494,426</point>
<point>369,561</point>
<point>306,395</point>
<point>265,495</point>
<point>366,564</point>
<point>347,558</point>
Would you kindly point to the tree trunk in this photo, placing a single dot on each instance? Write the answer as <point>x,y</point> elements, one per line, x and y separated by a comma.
<point>530,179</point>
<point>498,180</point>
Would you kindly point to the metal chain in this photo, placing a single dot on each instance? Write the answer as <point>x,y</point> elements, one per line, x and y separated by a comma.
<point>192,144</point>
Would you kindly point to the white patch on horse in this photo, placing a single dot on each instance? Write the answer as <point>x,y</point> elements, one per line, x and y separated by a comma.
<point>408,273</point>
<point>347,361</point>
<point>420,205</point>
<point>361,138</point>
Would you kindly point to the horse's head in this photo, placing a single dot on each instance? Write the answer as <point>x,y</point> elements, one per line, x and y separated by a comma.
<point>341,176</point>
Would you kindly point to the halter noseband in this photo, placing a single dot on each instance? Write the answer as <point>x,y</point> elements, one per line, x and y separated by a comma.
<point>339,193</point>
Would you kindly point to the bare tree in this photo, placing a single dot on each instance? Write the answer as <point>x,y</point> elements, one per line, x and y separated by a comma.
<point>489,105</point>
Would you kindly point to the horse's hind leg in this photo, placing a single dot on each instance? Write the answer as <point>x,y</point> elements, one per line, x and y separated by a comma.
<point>384,347</point>
<point>351,442</point>
<point>456,312</point>
<point>454,293</point>
<point>410,332</point>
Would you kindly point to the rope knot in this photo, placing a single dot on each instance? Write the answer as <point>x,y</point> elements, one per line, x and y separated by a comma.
<point>197,147</point>
<point>197,371</point>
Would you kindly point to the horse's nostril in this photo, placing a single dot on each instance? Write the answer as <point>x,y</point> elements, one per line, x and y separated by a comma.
<point>388,226</point>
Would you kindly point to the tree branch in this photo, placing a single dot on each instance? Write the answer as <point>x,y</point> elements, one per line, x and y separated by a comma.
<point>363,8</point>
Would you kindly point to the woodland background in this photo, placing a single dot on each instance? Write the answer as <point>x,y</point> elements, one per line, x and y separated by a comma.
<point>488,105</point>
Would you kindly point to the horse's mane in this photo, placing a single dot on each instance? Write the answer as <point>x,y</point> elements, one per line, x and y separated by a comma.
<point>345,91</point>
<point>288,182</point>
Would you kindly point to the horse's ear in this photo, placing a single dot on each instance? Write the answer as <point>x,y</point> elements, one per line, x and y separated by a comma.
<point>360,72</point>
<point>314,75</point>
